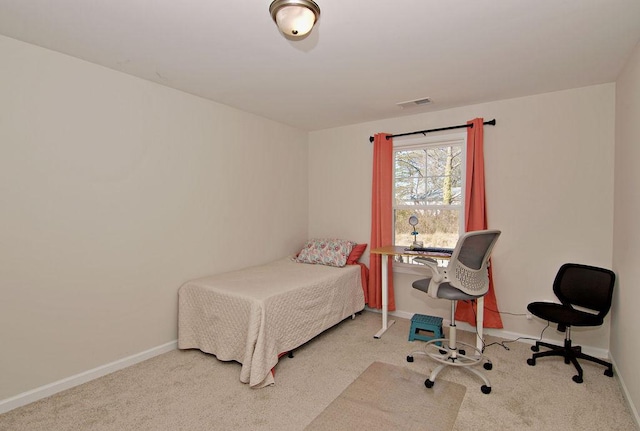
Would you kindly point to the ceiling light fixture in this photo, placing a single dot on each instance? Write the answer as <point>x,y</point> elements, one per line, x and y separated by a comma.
<point>294,17</point>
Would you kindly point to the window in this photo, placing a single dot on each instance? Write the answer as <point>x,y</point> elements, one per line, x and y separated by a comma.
<point>429,183</point>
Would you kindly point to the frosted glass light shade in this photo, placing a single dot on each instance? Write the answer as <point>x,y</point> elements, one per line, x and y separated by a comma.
<point>294,17</point>
<point>295,20</point>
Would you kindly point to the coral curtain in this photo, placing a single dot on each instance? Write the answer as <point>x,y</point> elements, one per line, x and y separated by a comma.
<point>476,219</point>
<point>381,219</point>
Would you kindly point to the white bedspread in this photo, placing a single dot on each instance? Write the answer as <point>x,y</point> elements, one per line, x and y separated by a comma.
<point>254,314</point>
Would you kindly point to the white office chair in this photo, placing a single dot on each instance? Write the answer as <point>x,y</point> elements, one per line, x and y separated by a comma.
<point>465,278</point>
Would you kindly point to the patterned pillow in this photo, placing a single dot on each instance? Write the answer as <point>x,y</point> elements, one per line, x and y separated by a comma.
<point>326,251</point>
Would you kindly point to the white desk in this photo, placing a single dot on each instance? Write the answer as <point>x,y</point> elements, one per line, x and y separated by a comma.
<point>394,250</point>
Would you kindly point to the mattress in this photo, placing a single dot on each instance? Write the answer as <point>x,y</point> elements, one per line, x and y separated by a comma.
<point>254,315</point>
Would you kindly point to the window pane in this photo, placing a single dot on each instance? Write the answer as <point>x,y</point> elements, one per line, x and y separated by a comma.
<point>429,176</point>
<point>410,177</point>
<point>436,227</point>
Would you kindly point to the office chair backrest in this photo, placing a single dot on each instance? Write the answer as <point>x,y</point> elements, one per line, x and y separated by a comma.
<point>585,286</point>
<point>467,269</point>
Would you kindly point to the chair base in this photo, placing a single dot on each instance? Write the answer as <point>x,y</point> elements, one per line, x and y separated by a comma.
<point>454,356</point>
<point>571,354</point>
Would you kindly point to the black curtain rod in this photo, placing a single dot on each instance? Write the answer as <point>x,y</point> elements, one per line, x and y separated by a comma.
<point>462,126</point>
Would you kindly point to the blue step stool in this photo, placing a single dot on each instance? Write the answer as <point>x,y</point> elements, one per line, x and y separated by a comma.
<point>420,322</point>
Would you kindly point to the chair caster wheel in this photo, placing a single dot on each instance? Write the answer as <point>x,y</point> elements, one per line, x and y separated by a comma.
<point>428,383</point>
<point>409,358</point>
<point>535,348</point>
<point>442,352</point>
<point>608,372</point>
<point>485,389</point>
<point>531,361</point>
<point>577,379</point>
<point>462,352</point>
<point>488,366</point>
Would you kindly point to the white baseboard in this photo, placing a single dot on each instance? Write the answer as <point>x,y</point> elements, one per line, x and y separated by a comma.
<point>625,392</point>
<point>593,351</point>
<point>69,382</point>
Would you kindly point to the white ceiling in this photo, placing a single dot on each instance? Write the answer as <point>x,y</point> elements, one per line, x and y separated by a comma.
<point>361,59</point>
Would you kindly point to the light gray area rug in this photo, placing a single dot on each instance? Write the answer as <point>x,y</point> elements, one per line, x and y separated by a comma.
<point>386,397</point>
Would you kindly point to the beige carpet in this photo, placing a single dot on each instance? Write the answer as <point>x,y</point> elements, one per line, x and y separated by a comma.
<point>190,390</point>
<point>386,397</point>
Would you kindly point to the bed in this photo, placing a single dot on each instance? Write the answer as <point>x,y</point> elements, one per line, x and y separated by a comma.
<point>255,315</point>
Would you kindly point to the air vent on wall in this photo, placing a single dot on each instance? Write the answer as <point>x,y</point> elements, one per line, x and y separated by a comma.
<point>415,103</point>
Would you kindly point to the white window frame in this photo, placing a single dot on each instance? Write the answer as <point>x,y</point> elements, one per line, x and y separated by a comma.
<point>418,143</point>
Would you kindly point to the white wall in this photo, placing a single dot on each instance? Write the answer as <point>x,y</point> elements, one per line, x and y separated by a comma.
<point>549,179</point>
<point>625,342</point>
<point>114,191</point>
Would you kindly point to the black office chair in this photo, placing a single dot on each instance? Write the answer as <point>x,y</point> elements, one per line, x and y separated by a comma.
<point>466,278</point>
<point>587,287</point>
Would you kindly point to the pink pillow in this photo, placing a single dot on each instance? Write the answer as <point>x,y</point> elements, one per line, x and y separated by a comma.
<point>356,253</point>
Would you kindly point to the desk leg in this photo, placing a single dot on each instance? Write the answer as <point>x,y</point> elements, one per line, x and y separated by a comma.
<point>385,297</point>
<point>480,323</point>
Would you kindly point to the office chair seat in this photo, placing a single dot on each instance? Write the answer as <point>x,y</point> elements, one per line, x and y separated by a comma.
<point>562,314</point>
<point>445,291</point>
